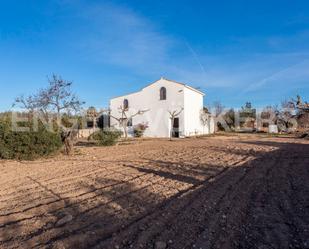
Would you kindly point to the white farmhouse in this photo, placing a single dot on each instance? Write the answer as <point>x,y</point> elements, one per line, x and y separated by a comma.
<point>160,98</point>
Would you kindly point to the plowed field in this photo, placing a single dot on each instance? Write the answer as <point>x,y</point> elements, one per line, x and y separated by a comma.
<point>219,192</point>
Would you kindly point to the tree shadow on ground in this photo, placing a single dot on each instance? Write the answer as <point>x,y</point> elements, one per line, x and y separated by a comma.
<point>262,203</point>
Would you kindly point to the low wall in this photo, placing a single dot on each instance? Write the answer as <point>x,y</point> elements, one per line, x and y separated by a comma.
<point>85,133</point>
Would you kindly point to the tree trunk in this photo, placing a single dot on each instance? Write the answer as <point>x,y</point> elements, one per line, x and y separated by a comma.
<point>67,141</point>
<point>124,126</point>
<point>172,127</point>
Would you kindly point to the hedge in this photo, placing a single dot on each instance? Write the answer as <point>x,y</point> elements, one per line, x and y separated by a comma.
<point>27,145</point>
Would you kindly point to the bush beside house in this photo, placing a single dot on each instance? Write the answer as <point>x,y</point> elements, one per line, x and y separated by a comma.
<point>106,137</point>
<point>139,130</point>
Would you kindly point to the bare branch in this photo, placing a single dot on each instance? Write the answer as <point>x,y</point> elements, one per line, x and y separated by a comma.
<point>173,114</point>
<point>57,97</point>
<point>124,119</point>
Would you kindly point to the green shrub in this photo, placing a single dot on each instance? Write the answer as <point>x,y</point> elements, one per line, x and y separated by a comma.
<point>139,130</point>
<point>106,137</point>
<point>27,145</point>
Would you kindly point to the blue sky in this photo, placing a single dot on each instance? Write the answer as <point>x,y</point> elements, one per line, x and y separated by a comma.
<point>235,51</point>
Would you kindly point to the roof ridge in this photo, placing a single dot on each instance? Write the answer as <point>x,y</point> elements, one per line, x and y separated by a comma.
<point>162,78</point>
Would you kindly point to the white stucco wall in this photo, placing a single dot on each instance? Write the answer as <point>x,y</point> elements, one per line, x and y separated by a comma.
<point>177,96</point>
<point>193,104</point>
<point>149,99</point>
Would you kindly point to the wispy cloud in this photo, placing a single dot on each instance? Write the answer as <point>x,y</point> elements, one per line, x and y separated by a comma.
<point>117,35</point>
<point>286,76</point>
<point>196,57</point>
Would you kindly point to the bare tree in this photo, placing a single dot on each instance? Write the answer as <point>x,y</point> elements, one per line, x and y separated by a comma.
<point>220,123</point>
<point>28,103</point>
<point>173,114</point>
<point>57,98</point>
<point>204,117</point>
<point>218,108</point>
<point>269,115</point>
<point>125,118</point>
<point>300,105</point>
<point>285,115</point>
<point>68,136</point>
<point>302,115</point>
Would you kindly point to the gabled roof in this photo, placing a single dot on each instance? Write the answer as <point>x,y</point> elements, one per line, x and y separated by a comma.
<point>173,81</point>
<point>162,78</point>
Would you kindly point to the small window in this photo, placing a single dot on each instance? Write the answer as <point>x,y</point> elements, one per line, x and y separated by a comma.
<point>163,93</point>
<point>126,104</point>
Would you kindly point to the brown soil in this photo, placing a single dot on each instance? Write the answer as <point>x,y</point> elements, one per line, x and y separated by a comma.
<point>216,192</point>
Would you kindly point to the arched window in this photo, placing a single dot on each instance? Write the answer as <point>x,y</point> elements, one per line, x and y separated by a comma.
<point>125,104</point>
<point>163,93</point>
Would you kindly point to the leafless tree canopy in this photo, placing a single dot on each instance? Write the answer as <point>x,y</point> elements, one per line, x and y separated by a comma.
<point>58,96</point>
<point>28,103</point>
<point>125,117</point>
<point>55,99</point>
<point>218,108</point>
<point>302,106</point>
<point>303,115</point>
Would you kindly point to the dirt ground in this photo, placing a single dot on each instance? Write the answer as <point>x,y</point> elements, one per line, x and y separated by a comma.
<point>214,192</point>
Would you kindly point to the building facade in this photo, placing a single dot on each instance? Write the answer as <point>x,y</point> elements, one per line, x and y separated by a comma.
<point>159,100</point>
